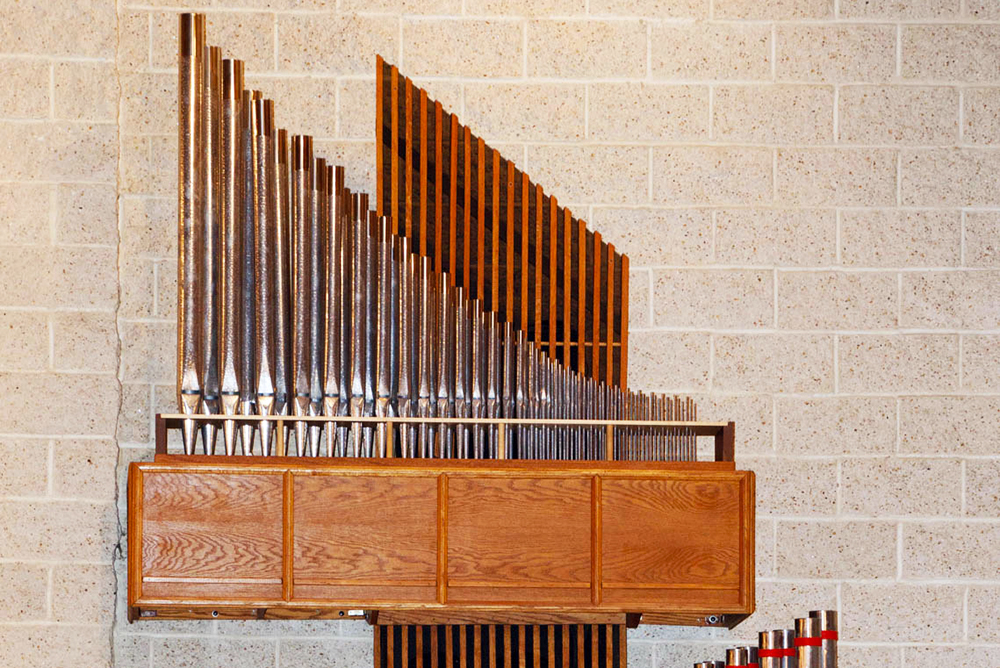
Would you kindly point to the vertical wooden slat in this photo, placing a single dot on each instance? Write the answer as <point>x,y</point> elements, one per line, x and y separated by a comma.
<point>378,641</point>
<point>623,345</point>
<point>506,643</point>
<point>394,145</point>
<point>552,646</point>
<point>539,244</point>
<point>438,185</point>
<point>536,649</point>
<point>495,237</point>
<point>477,646</point>
<point>510,174</point>
<point>580,638</point>
<point>435,663</point>
<point>418,641</point>
<point>525,224</point>
<point>408,163</point>
<point>390,642</point>
<point>622,645</point>
<point>453,221</point>
<point>379,148</point>
<point>463,659</point>
<point>609,653</point>
<point>553,279</point>
<point>581,297</point>
<point>520,647</point>
<point>481,222</point>
<point>596,306</point>
<point>423,172</point>
<point>467,221</point>
<point>404,647</point>
<point>565,646</point>
<point>567,276</point>
<point>492,654</point>
<point>610,319</point>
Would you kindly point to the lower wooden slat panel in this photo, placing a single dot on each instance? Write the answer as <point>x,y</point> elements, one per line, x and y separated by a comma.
<point>500,646</point>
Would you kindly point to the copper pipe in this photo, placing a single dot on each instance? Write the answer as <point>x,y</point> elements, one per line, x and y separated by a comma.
<point>248,361</point>
<point>428,351</point>
<point>190,215</point>
<point>301,198</point>
<point>282,315</point>
<point>384,330</point>
<point>359,276</point>
<point>318,227</point>
<point>772,648</point>
<point>230,276</point>
<point>333,374</point>
<point>808,642</point>
<point>736,656</point>
<point>829,629</point>
<point>446,361</point>
<point>790,658</point>
<point>462,375</point>
<point>210,252</point>
<point>264,215</point>
<point>406,381</point>
<point>371,323</point>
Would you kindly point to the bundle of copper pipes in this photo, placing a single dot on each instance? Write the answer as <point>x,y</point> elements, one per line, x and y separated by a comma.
<point>811,644</point>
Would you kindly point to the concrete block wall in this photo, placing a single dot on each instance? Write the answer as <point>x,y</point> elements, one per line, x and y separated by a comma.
<point>807,188</point>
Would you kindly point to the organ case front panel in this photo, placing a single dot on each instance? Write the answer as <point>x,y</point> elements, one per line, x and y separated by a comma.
<point>283,535</point>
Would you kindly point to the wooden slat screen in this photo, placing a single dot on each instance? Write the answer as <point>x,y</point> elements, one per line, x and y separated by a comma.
<point>499,234</point>
<point>500,646</point>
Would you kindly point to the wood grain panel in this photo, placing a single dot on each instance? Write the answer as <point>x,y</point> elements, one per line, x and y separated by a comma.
<point>211,525</point>
<point>365,528</point>
<point>671,532</point>
<point>518,530</point>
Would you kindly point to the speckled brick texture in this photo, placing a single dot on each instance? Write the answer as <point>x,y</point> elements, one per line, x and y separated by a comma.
<point>807,189</point>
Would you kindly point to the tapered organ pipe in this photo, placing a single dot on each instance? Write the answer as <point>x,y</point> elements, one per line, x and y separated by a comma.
<point>301,209</point>
<point>210,240</point>
<point>265,188</point>
<point>190,215</point>
<point>230,276</point>
<point>247,318</point>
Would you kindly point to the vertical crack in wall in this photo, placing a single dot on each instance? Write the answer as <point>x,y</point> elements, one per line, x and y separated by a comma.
<point>117,552</point>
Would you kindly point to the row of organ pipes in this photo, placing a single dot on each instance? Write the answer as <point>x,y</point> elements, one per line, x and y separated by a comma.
<point>811,644</point>
<point>294,298</point>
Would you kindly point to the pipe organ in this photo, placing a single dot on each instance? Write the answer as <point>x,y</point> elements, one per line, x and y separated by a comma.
<point>413,407</point>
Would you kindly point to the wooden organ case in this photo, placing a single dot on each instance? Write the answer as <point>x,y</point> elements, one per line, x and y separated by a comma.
<point>416,412</point>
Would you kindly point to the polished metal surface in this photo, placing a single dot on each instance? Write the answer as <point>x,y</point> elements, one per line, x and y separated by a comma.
<point>190,214</point>
<point>829,628</point>
<point>210,240</point>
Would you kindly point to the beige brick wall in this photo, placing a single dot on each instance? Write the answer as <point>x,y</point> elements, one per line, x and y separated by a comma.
<point>808,190</point>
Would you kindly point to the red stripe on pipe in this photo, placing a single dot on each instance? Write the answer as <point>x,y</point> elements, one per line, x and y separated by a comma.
<point>829,635</point>
<point>788,651</point>
<point>808,642</point>
<point>771,653</point>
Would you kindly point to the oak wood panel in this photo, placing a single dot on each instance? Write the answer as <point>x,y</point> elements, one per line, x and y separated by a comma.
<point>688,516</point>
<point>518,530</point>
<point>211,525</point>
<point>671,532</point>
<point>365,529</point>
